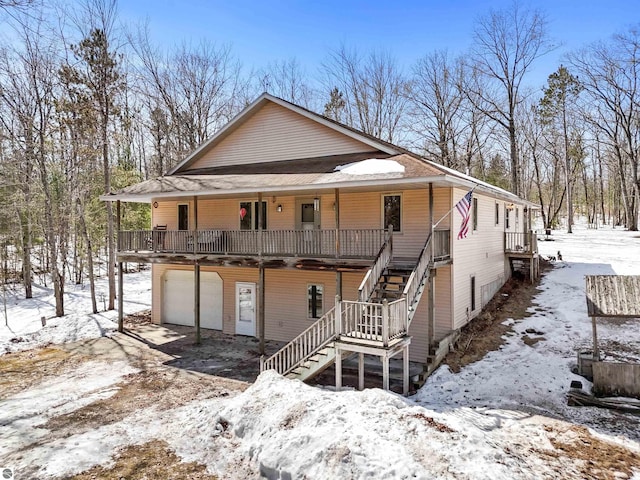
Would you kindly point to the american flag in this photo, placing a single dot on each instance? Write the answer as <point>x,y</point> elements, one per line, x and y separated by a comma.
<point>464,207</point>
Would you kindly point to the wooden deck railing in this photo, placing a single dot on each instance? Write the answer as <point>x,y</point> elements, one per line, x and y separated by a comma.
<point>376,322</point>
<point>370,280</point>
<point>379,323</point>
<point>360,243</point>
<point>304,346</point>
<point>415,284</point>
<point>441,245</point>
<point>520,242</point>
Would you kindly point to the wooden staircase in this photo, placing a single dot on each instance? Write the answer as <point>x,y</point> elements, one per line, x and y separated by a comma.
<point>391,284</point>
<point>387,300</point>
<point>316,364</point>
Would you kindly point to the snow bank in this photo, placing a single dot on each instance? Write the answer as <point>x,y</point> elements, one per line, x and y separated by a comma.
<point>281,428</point>
<point>25,331</point>
<point>370,167</point>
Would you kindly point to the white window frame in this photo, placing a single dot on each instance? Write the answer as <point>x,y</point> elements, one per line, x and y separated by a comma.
<point>391,194</point>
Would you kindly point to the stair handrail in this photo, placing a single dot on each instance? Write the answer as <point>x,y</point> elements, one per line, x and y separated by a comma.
<point>370,280</point>
<point>416,280</point>
<point>304,346</point>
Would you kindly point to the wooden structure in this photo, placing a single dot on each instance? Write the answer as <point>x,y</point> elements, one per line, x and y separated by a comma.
<point>522,250</point>
<point>259,227</point>
<point>613,296</point>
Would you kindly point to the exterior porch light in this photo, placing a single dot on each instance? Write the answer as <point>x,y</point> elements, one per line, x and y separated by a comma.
<point>316,204</point>
<point>279,208</point>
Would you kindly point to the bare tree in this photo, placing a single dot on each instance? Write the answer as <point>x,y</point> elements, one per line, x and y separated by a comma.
<point>609,72</point>
<point>188,93</point>
<point>436,102</point>
<point>28,91</point>
<point>373,89</point>
<point>287,79</point>
<point>506,43</point>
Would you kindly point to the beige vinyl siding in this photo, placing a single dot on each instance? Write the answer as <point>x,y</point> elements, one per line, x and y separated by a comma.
<point>357,211</point>
<point>286,300</point>
<point>167,214</point>
<point>418,330</point>
<point>481,254</point>
<point>443,296</point>
<point>364,210</point>
<point>229,277</point>
<point>275,133</point>
<point>286,314</point>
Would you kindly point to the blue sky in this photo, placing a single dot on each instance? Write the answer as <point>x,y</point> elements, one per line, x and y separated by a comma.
<point>260,32</point>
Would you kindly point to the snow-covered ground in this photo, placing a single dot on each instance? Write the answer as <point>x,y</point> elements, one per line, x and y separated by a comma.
<point>503,417</point>
<point>23,328</point>
<point>538,377</point>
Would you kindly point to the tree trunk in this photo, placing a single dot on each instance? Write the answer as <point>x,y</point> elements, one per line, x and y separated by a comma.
<point>25,227</point>
<point>515,165</point>
<point>111,254</point>
<point>89,252</point>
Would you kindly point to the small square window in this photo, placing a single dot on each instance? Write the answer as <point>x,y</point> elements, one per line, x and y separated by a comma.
<point>314,300</point>
<point>392,205</point>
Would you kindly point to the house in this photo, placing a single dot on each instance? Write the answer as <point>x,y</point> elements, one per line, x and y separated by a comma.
<point>289,226</point>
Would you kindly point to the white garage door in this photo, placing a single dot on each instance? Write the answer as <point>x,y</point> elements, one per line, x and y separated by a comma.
<point>178,301</point>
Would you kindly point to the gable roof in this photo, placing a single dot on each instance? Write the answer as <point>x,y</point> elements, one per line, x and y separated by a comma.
<point>249,111</point>
<point>302,173</point>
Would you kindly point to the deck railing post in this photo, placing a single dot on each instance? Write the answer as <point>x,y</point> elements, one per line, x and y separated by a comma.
<point>338,314</point>
<point>385,322</point>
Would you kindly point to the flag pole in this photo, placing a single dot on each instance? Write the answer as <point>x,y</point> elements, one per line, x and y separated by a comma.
<point>433,227</point>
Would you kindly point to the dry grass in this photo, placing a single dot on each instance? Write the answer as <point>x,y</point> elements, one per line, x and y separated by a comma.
<point>486,332</point>
<point>591,457</point>
<point>22,370</point>
<point>162,390</point>
<point>152,460</point>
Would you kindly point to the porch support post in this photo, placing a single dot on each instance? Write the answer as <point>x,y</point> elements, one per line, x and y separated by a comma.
<point>195,224</point>
<point>196,300</point>
<point>596,352</point>
<point>385,371</point>
<point>360,371</point>
<point>338,368</point>
<point>120,273</point>
<point>261,297</point>
<point>405,370</point>
<point>337,216</point>
<point>431,310</point>
<point>259,217</point>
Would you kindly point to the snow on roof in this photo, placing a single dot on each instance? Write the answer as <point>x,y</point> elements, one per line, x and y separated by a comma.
<point>371,166</point>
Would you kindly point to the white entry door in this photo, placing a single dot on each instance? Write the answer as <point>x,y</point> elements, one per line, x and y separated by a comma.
<point>178,299</point>
<point>246,309</point>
